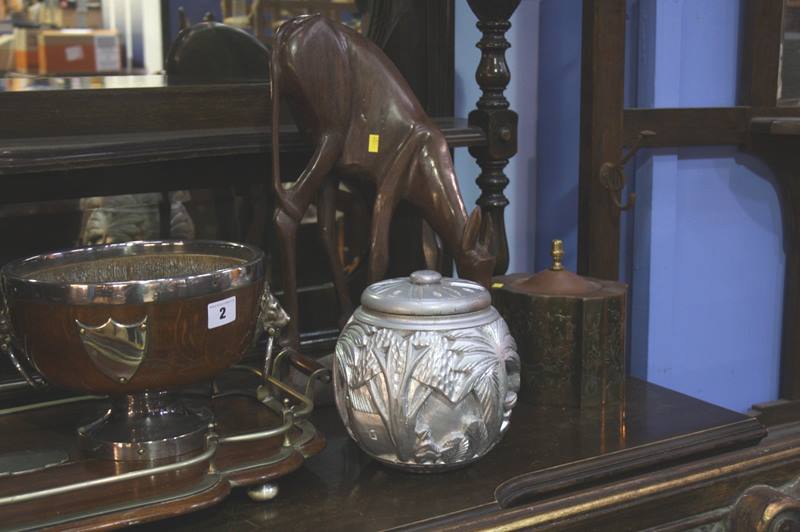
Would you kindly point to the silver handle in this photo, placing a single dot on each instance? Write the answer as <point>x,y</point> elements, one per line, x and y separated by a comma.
<point>271,319</point>
<point>312,369</point>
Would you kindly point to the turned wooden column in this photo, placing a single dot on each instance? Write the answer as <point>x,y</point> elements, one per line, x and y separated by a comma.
<point>494,117</point>
<point>602,102</point>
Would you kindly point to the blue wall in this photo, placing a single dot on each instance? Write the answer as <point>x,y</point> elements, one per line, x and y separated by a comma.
<point>195,11</point>
<point>706,237</point>
<point>558,130</point>
<point>466,94</point>
<point>704,245</point>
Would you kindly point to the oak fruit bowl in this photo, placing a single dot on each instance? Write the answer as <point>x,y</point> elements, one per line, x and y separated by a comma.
<point>137,316</point>
<point>134,321</point>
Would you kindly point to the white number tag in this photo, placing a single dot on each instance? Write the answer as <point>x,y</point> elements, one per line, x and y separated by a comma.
<point>221,312</point>
<point>73,53</point>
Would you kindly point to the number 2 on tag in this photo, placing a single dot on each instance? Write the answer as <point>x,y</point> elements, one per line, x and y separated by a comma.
<point>221,312</point>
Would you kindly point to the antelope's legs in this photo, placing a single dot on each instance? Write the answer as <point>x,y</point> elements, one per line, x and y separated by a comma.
<point>296,199</point>
<point>326,223</point>
<point>379,239</point>
<point>286,229</point>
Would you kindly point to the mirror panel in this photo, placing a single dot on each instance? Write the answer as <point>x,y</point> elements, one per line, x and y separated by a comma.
<point>69,38</point>
<point>261,18</point>
<point>789,87</point>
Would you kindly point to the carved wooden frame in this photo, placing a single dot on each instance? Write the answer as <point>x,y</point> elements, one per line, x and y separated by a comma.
<point>760,127</point>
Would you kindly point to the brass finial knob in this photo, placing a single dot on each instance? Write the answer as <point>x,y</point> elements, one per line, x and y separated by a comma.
<point>557,252</point>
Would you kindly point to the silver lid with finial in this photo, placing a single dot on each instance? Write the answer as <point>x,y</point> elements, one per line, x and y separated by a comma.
<point>426,298</point>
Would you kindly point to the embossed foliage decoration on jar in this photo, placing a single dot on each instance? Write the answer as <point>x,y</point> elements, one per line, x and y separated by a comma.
<point>426,372</point>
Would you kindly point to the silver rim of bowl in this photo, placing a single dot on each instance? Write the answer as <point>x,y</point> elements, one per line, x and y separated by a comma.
<point>19,281</point>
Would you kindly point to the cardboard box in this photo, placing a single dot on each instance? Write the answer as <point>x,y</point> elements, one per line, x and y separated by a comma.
<point>93,18</point>
<point>6,53</point>
<point>26,55</point>
<point>79,51</point>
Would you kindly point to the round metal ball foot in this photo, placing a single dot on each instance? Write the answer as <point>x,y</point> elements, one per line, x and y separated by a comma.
<point>264,492</point>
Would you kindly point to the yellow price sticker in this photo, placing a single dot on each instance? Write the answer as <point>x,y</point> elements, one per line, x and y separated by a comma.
<point>374,141</point>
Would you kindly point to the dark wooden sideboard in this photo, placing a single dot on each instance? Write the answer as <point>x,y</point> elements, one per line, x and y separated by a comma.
<point>598,469</point>
<point>660,460</point>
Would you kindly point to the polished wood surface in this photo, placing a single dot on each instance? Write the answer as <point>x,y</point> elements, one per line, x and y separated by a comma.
<point>546,451</point>
<point>727,491</point>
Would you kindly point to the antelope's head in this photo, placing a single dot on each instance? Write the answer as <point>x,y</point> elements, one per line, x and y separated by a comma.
<point>474,261</point>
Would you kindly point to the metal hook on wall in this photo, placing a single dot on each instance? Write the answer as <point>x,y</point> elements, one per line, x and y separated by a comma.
<point>612,175</point>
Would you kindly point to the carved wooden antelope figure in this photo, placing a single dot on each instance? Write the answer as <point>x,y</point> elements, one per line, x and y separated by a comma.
<point>367,125</point>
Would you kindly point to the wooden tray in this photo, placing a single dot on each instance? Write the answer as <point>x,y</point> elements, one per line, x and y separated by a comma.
<point>77,491</point>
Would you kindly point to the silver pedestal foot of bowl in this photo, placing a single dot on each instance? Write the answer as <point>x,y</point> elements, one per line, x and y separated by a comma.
<point>263,492</point>
<point>145,426</point>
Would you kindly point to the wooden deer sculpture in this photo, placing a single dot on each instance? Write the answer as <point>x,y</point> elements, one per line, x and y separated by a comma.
<point>367,125</point>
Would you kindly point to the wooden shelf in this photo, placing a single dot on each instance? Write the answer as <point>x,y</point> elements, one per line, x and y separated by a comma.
<point>73,166</point>
<point>59,137</point>
<point>775,125</point>
<point>53,154</point>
